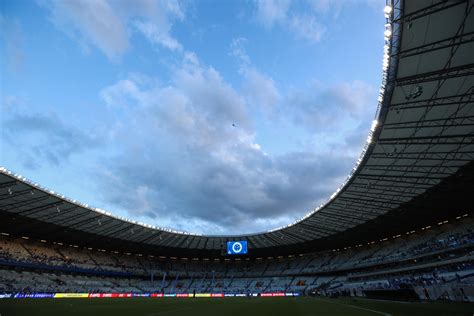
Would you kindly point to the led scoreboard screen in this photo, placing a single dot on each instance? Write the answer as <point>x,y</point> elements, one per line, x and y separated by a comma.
<point>237,247</point>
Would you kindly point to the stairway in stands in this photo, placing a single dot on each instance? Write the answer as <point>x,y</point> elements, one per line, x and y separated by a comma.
<point>28,250</point>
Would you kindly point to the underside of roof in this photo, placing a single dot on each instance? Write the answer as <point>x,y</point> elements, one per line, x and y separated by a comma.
<point>417,167</point>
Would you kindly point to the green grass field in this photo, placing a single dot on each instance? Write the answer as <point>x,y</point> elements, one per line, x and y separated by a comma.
<point>228,306</point>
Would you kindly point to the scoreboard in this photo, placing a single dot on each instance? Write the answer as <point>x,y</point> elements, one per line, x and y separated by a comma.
<point>237,247</point>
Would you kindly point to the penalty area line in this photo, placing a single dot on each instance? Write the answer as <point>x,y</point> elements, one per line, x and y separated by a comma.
<point>357,307</point>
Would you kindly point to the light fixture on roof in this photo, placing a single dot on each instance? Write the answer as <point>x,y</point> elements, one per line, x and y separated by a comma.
<point>418,91</point>
<point>392,152</point>
<point>57,209</point>
<point>10,191</point>
<point>387,10</point>
<point>388,30</point>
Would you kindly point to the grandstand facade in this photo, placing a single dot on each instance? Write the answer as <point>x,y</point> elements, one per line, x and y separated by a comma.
<point>399,226</point>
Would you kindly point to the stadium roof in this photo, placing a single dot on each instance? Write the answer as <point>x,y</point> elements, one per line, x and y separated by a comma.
<point>416,168</point>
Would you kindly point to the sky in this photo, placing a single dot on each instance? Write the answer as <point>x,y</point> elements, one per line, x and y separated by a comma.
<point>211,117</point>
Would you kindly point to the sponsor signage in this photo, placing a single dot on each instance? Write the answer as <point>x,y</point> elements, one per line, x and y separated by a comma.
<point>275,294</point>
<point>156,295</point>
<point>217,295</point>
<point>183,295</point>
<point>123,295</point>
<point>33,295</point>
<point>203,294</point>
<point>111,295</point>
<point>128,295</point>
<point>95,295</point>
<point>106,295</point>
<point>71,295</point>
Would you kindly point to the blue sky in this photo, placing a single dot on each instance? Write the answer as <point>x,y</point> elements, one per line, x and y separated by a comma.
<point>216,117</point>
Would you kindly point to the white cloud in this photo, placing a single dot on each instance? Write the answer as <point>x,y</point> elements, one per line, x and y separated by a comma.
<point>158,35</point>
<point>44,137</point>
<point>334,7</point>
<point>175,8</point>
<point>327,107</point>
<point>270,12</point>
<point>304,24</point>
<point>356,97</point>
<point>105,24</point>
<point>117,94</point>
<point>260,90</point>
<point>93,22</point>
<point>197,104</point>
<point>237,49</point>
<point>158,23</point>
<point>307,27</point>
<point>306,19</point>
<point>189,149</point>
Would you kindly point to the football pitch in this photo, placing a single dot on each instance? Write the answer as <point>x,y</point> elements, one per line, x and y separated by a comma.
<point>226,306</point>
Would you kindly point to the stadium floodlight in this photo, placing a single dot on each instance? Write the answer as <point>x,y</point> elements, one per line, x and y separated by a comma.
<point>388,30</point>
<point>374,125</point>
<point>387,10</point>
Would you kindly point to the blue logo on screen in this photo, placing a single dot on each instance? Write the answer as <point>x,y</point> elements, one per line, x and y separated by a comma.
<point>236,247</point>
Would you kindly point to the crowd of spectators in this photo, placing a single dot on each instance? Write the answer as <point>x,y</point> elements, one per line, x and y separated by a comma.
<point>431,257</point>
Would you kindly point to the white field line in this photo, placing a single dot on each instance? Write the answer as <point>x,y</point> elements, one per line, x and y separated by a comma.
<point>353,306</point>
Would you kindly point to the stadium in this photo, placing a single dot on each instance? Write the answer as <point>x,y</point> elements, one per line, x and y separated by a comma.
<point>400,228</point>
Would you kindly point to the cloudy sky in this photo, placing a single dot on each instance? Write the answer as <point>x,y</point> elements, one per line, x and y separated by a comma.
<point>215,117</point>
